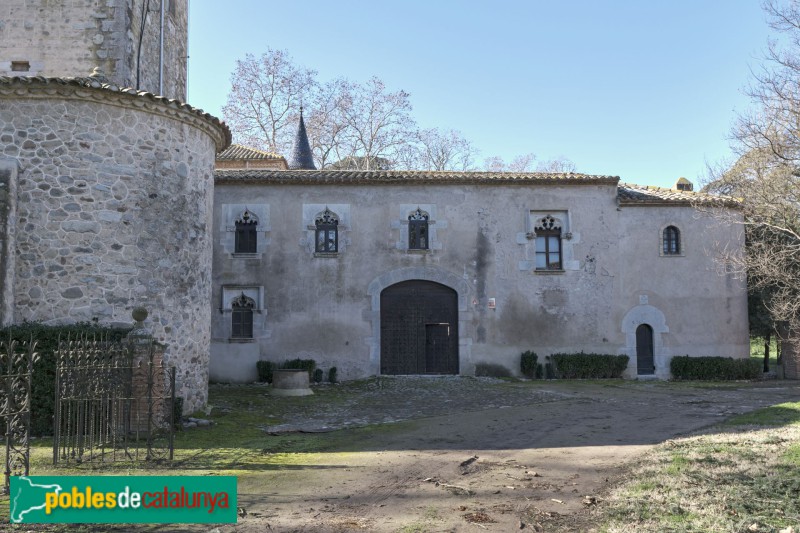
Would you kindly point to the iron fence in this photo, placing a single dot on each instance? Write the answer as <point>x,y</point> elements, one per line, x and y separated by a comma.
<point>114,402</point>
<point>16,369</point>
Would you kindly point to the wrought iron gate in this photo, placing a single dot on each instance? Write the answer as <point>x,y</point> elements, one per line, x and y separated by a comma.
<point>16,369</point>
<point>114,401</point>
<point>419,328</point>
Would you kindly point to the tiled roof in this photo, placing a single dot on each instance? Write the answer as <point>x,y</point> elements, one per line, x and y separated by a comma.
<point>99,83</point>
<point>631,194</point>
<point>238,152</point>
<point>357,177</point>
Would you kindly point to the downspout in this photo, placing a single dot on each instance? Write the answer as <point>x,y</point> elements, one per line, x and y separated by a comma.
<point>161,52</point>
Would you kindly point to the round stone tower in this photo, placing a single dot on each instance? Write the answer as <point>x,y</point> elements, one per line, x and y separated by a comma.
<point>105,205</point>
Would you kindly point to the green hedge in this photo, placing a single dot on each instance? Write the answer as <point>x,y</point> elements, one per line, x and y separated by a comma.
<point>588,365</point>
<point>264,369</point>
<point>44,370</point>
<point>527,364</point>
<point>714,368</point>
<point>308,365</point>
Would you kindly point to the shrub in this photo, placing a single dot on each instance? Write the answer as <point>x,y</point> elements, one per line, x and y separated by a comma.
<point>714,368</point>
<point>265,369</point>
<point>308,365</point>
<point>318,375</point>
<point>44,370</point>
<point>492,370</point>
<point>527,364</point>
<point>540,370</point>
<point>332,378</point>
<point>588,365</point>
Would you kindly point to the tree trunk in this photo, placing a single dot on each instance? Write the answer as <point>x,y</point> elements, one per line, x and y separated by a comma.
<point>767,339</point>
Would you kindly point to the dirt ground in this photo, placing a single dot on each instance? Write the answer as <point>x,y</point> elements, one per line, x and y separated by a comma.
<point>532,467</point>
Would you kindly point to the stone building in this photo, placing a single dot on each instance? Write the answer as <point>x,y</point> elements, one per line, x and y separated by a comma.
<point>106,191</point>
<point>392,272</point>
<point>109,199</point>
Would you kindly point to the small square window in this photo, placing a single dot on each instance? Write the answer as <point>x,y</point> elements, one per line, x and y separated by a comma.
<point>20,66</point>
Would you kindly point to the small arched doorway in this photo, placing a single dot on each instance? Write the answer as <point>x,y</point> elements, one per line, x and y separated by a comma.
<point>644,350</point>
<point>419,328</point>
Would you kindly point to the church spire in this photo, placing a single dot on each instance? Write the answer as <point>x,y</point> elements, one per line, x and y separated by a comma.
<point>301,157</point>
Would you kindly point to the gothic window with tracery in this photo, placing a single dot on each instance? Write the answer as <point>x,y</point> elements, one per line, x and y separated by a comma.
<point>671,241</point>
<point>242,317</point>
<point>246,234</point>
<point>327,232</point>
<point>418,230</point>
<point>548,243</point>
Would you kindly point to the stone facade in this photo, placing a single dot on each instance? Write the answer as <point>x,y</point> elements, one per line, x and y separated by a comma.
<point>614,276</point>
<point>59,39</point>
<point>111,211</point>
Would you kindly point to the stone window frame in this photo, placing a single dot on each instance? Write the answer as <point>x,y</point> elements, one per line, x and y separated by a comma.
<point>242,310</point>
<point>229,294</point>
<point>681,241</point>
<point>230,213</point>
<point>569,238</point>
<point>343,228</point>
<point>34,67</point>
<point>435,225</point>
<point>246,232</point>
<point>325,223</point>
<point>418,230</point>
<point>545,228</point>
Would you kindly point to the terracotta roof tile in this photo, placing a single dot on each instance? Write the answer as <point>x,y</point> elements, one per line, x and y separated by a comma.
<point>632,194</point>
<point>356,177</point>
<point>238,152</point>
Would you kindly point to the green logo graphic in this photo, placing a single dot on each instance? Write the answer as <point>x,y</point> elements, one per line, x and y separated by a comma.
<point>123,499</point>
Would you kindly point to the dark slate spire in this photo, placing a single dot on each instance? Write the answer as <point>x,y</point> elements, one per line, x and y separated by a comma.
<point>301,158</point>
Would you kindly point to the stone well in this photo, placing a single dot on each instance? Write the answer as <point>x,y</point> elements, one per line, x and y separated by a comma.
<point>290,382</point>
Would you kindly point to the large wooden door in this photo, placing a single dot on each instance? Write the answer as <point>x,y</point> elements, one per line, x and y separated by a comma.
<point>419,328</point>
<point>644,350</point>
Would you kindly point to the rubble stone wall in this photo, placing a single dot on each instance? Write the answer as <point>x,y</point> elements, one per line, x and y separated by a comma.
<point>113,210</point>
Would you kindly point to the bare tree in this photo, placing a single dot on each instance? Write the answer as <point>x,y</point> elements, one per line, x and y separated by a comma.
<point>561,165</point>
<point>766,176</point>
<point>326,122</point>
<point>528,163</point>
<point>439,150</point>
<point>265,97</point>
<point>379,123</point>
<point>521,163</point>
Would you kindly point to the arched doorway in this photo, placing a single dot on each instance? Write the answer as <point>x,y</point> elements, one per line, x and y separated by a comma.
<point>419,328</point>
<point>644,350</point>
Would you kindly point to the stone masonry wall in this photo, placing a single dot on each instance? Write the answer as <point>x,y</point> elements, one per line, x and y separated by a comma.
<point>60,39</point>
<point>114,205</point>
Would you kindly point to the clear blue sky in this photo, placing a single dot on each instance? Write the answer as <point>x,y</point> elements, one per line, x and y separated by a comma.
<point>642,89</point>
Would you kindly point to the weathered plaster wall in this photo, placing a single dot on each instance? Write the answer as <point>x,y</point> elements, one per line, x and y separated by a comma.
<point>324,307</point>
<point>113,211</point>
<point>703,309</point>
<point>60,39</point>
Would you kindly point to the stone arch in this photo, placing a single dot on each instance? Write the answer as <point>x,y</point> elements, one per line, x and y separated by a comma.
<point>652,316</point>
<point>427,273</point>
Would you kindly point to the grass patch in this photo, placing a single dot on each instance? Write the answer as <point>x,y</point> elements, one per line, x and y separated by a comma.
<point>746,477</point>
<point>775,415</point>
<point>235,445</point>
